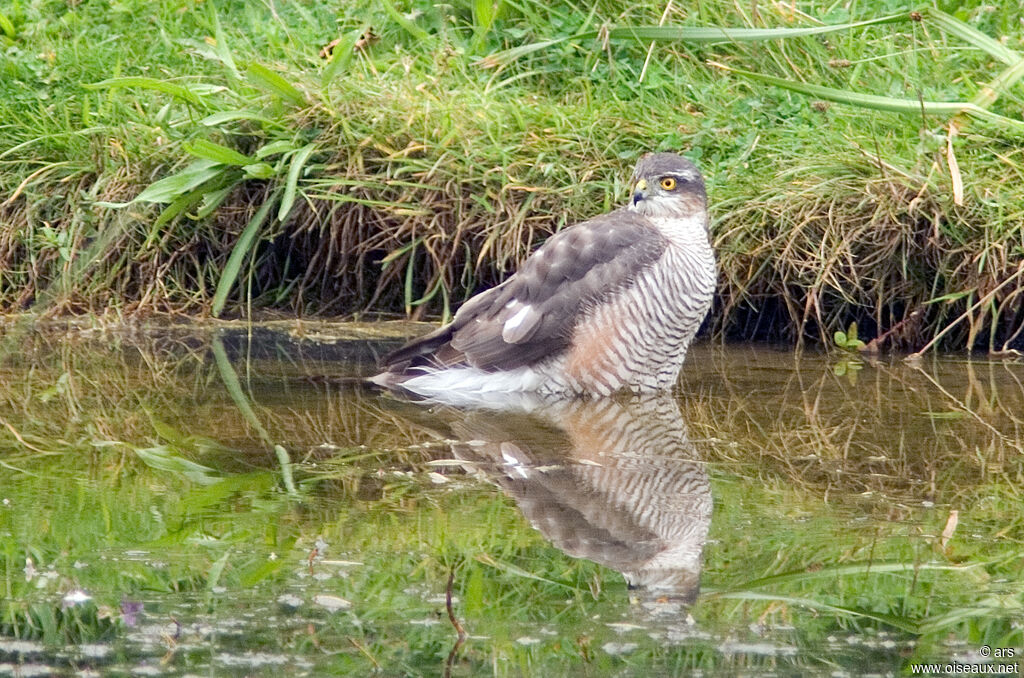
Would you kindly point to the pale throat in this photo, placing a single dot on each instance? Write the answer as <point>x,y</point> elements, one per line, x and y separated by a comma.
<point>688,231</point>
<point>681,221</point>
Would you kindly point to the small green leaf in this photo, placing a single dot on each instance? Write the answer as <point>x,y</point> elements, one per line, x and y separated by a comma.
<point>473,594</point>
<point>273,83</point>
<point>213,199</point>
<point>341,55</point>
<point>259,170</point>
<point>484,14</point>
<point>851,333</point>
<point>203,148</point>
<point>177,206</point>
<point>848,340</point>
<point>274,148</point>
<point>291,185</point>
<point>161,458</point>
<point>245,243</point>
<point>176,185</point>
<point>391,256</point>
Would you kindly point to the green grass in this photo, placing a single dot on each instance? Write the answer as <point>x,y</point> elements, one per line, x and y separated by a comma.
<point>440,143</point>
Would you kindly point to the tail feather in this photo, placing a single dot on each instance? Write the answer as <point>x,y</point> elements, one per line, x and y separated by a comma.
<point>417,349</point>
<point>431,351</point>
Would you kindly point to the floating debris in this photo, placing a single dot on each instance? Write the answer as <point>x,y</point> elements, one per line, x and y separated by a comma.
<point>332,603</point>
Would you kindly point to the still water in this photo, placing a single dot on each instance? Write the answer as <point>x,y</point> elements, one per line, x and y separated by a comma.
<point>231,502</point>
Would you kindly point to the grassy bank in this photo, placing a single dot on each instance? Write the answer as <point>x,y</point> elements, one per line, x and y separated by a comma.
<point>225,157</point>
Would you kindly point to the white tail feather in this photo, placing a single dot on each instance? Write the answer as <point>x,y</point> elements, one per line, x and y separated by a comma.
<point>469,386</point>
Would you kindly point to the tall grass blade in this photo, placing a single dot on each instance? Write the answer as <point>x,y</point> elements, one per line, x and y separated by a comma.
<point>431,294</point>
<point>692,34</point>
<point>1008,606</point>
<point>484,14</point>
<point>809,603</point>
<point>175,90</point>
<point>880,103</point>
<point>221,46</point>
<point>713,34</point>
<point>973,36</point>
<point>508,56</point>
<point>287,477</point>
<point>238,253</point>
<point>1002,83</point>
<point>847,569</point>
<point>394,254</point>
<point>487,559</point>
<point>410,269</point>
<point>217,119</point>
<point>7,26</point>
<point>272,83</point>
<point>952,296</point>
<point>213,577</point>
<point>292,183</point>
<point>407,25</point>
<point>234,389</point>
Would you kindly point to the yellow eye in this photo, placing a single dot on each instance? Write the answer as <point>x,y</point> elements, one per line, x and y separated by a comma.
<point>668,183</point>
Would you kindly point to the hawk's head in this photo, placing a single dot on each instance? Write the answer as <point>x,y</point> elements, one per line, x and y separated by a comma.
<point>667,185</point>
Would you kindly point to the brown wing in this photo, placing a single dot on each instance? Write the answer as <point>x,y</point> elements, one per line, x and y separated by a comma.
<point>532,314</point>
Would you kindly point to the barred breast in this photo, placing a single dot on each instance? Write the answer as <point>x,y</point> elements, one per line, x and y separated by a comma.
<point>638,340</point>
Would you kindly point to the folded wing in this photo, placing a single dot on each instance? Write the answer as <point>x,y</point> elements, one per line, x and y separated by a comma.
<point>532,314</point>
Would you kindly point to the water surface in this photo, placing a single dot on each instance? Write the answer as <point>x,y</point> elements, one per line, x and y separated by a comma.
<point>177,501</point>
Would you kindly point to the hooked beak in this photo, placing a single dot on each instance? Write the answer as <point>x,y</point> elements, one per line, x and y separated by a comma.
<point>639,191</point>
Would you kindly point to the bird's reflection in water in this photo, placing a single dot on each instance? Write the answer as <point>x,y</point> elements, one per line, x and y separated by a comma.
<point>615,481</point>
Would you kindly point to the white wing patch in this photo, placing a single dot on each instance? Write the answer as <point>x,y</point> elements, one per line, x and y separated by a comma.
<point>520,325</point>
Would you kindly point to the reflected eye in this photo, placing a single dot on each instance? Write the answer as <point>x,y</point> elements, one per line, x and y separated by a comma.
<point>668,183</point>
